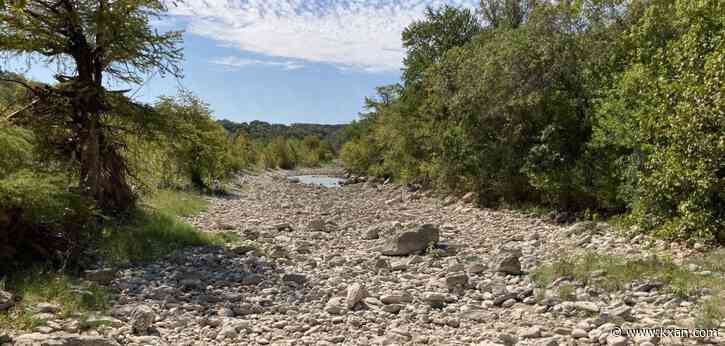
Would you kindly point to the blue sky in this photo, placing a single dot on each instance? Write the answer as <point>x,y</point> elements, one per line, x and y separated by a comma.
<point>286,61</point>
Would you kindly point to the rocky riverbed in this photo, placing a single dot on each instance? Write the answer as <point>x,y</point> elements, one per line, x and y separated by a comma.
<point>374,264</point>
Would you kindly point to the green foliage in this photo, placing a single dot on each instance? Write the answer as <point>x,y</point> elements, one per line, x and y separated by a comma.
<point>278,154</point>
<point>77,120</point>
<point>42,285</point>
<point>197,144</point>
<point>428,40</point>
<point>261,131</point>
<point>157,230</point>
<point>617,272</point>
<point>242,152</point>
<point>665,111</point>
<point>614,273</point>
<point>359,156</point>
<point>597,107</point>
<point>174,202</point>
<point>16,148</point>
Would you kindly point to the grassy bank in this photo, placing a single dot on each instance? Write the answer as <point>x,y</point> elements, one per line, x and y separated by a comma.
<point>615,273</point>
<point>152,231</point>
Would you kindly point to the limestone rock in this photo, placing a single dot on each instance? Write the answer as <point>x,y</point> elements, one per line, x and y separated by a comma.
<point>142,318</point>
<point>507,261</point>
<point>7,300</point>
<point>412,241</point>
<point>355,293</point>
<point>335,306</point>
<point>102,276</point>
<point>371,233</point>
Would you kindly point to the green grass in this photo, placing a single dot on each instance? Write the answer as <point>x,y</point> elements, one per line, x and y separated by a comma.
<point>617,272</point>
<point>713,261</point>
<point>73,296</point>
<point>156,229</point>
<point>177,203</point>
<point>567,292</point>
<point>151,234</point>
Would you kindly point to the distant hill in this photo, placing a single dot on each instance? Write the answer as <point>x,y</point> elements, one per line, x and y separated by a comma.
<point>264,131</point>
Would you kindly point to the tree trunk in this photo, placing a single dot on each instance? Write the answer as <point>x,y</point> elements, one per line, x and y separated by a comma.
<point>103,170</point>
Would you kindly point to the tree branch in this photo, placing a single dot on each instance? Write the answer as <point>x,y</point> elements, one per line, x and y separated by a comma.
<point>26,85</point>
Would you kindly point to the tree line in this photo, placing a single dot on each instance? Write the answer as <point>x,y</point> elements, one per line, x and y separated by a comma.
<point>599,107</point>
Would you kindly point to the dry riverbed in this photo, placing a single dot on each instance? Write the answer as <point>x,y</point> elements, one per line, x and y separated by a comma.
<point>369,264</point>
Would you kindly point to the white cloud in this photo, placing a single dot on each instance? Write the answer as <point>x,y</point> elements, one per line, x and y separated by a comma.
<point>361,34</point>
<point>237,62</point>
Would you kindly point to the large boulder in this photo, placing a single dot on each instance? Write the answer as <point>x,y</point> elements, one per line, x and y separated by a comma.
<point>507,261</point>
<point>62,339</point>
<point>7,300</point>
<point>411,241</point>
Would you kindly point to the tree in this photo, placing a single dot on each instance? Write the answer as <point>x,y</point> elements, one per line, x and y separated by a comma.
<point>198,143</point>
<point>506,13</point>
<point>95,42</point>
<point>428,40</point>
<point>665,112</point>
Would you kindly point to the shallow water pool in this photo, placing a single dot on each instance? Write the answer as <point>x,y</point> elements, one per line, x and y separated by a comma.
<point>322,180</point>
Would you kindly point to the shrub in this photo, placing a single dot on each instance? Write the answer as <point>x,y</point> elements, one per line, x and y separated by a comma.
<point>278,154</point>
<point>665,110</point>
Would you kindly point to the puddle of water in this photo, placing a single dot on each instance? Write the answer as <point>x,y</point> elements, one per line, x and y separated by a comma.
<point>323,180</point>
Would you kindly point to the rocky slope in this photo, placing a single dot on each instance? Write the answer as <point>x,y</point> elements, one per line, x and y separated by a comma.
<point>370,264</point>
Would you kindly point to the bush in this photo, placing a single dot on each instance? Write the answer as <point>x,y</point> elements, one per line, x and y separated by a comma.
<point>40,218</point>
<point>665,111</point>
<point>278,154</point>
<point>358,156</point>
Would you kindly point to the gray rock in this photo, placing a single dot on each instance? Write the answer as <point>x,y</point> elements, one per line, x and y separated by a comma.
<point>578,333</point>
<point>320,225</point>
<point>7,300</point>
<point>507,261</point>
<point>382,263</point>
<point>5,338</point>
<point>616,341</point>
<point>62,339</point>
<point>411,242</point>
<point>562,331</point>
<point>476,268</point>
<point>228,332</point>
<point>396,298</point>
<point>508,303</point>
<point>469,197</point>
<point>335,306</point>
<point>580,228</point>
<point>392,308</point>
<point>102,276</point>
<point>47,308</point>
<point>435,300</point>
<point>252,279</point>
<point>283,227</point>
<point>142,318</point>
<point>355,293</point>
<point>479,315</point>
<point>296,278</point>
<point>622,312</point>
<point>371,233</point>
<point>531,332</point>
<point>456,280</point>
<point>587,306</point>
